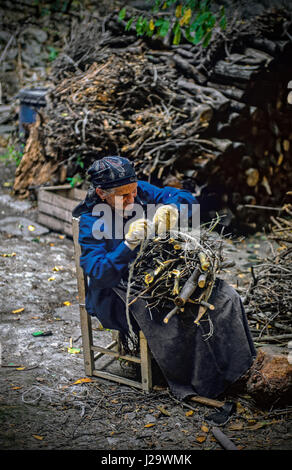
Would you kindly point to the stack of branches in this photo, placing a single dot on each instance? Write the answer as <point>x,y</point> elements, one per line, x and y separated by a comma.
<point>269,296</point>
<point>213,121</point>
<point>176,271</point>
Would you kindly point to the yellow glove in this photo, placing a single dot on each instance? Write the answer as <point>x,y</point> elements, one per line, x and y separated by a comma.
<point>165,218</point>
<point>137,232</point>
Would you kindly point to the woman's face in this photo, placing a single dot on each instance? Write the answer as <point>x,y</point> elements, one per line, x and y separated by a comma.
<point>120,198</point>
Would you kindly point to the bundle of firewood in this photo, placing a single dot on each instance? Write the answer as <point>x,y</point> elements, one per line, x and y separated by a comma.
<point>177,270</point>
<point>214,121</point>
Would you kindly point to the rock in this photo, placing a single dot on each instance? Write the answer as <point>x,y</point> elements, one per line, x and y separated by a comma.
<point>269,380</point>
<point>21,226</point>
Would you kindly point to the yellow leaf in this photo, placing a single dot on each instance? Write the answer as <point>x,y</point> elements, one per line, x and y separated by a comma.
<point>57,268</point>
<point>18,310</point>
<point>39,438</point>
<point>149,425</point>
<point>190,413</point>
<point>31,228</point>
<point>61,237</point>
<point>178,11</point>
<point>15,388</point>
<point>67,303</point>
<point>204,428</point>
<point>151,25</point>
<point>20,368</point>
<point>186,18</point>
<point>84,380</point>
<point>200,438</point>
<point>51,279</point>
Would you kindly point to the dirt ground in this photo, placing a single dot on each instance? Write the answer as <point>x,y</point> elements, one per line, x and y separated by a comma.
<point>42,404</point>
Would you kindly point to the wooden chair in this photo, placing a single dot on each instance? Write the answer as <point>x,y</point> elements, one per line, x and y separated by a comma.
<point>113,349</point>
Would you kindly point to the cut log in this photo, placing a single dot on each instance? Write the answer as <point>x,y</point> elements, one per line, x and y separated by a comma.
<point>269,380</point>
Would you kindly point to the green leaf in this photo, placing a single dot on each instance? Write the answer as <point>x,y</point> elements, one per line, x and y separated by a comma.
<point>207,39</point>
<point>122,13</point>
<point>163,30</point>
<point>129,24</point>
<point>177,34</point>
<point>223,23</point>
<point>199,35</point>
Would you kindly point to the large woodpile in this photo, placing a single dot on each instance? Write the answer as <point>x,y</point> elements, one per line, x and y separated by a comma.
<point>214,121</point>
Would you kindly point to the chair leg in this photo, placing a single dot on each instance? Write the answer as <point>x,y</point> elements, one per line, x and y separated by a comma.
<point>146,368</point>
<point>86,329</point>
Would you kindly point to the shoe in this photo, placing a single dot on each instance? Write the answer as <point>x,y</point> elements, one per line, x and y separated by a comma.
<point>223,415</point>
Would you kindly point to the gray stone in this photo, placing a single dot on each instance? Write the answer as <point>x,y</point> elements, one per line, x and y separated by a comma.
<point>21,226</point>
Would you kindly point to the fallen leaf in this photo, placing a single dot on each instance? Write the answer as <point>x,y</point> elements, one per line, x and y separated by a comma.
<point>204,428</point>
<point>20,368</point>
<point>51,279</point>
<point>67,303</point>
<point>149,425</point>
<point>57,268</point>
<point>18,310</point>
<point>31,228</point>
<point>200,438</point>
<point>84,380</point>
<point>61,237</point>
<point>163,410</point>
<point>189,413</point>
<point>39,438</point>
<point>15,388</point>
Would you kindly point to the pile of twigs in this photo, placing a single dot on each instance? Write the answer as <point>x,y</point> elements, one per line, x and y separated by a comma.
<point>122,103</point>
<point>177,270</point>
<point>269,296</point>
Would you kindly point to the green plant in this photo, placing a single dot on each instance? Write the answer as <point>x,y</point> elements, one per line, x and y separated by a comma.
<point>75,180</point>
<point>53,53</point>
<point>193,17</point>
<point>12,154</point>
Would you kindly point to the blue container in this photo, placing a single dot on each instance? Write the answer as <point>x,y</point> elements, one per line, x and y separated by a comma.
<point>31,99</point>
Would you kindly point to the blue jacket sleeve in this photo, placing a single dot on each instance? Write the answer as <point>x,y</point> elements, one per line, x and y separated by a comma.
<point>166,195</point>
<point>104,266</point>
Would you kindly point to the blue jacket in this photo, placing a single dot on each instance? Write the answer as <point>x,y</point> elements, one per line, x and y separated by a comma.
<point>105,261</point>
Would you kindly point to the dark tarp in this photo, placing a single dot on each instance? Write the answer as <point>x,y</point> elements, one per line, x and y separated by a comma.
<point>199,359</point>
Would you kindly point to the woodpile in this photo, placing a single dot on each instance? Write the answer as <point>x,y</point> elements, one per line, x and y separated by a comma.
<point>268,298</point>
<point>214,121</point>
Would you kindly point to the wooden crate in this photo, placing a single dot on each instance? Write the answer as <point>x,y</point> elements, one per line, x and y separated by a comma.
<point>55,205</point>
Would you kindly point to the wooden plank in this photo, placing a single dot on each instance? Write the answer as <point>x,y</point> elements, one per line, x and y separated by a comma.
<point>58,212</point>
<point>116,354</point>
<point>55,224</point>
<point>109,346</point>
<point>117,378</point>
<point>57,200</point>
<point>79,194</point>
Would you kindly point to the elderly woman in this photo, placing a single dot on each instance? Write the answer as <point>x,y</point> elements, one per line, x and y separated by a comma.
<point>110,240</point>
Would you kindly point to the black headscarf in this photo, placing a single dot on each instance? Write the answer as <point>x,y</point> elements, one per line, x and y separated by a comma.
<point>108,172</point>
